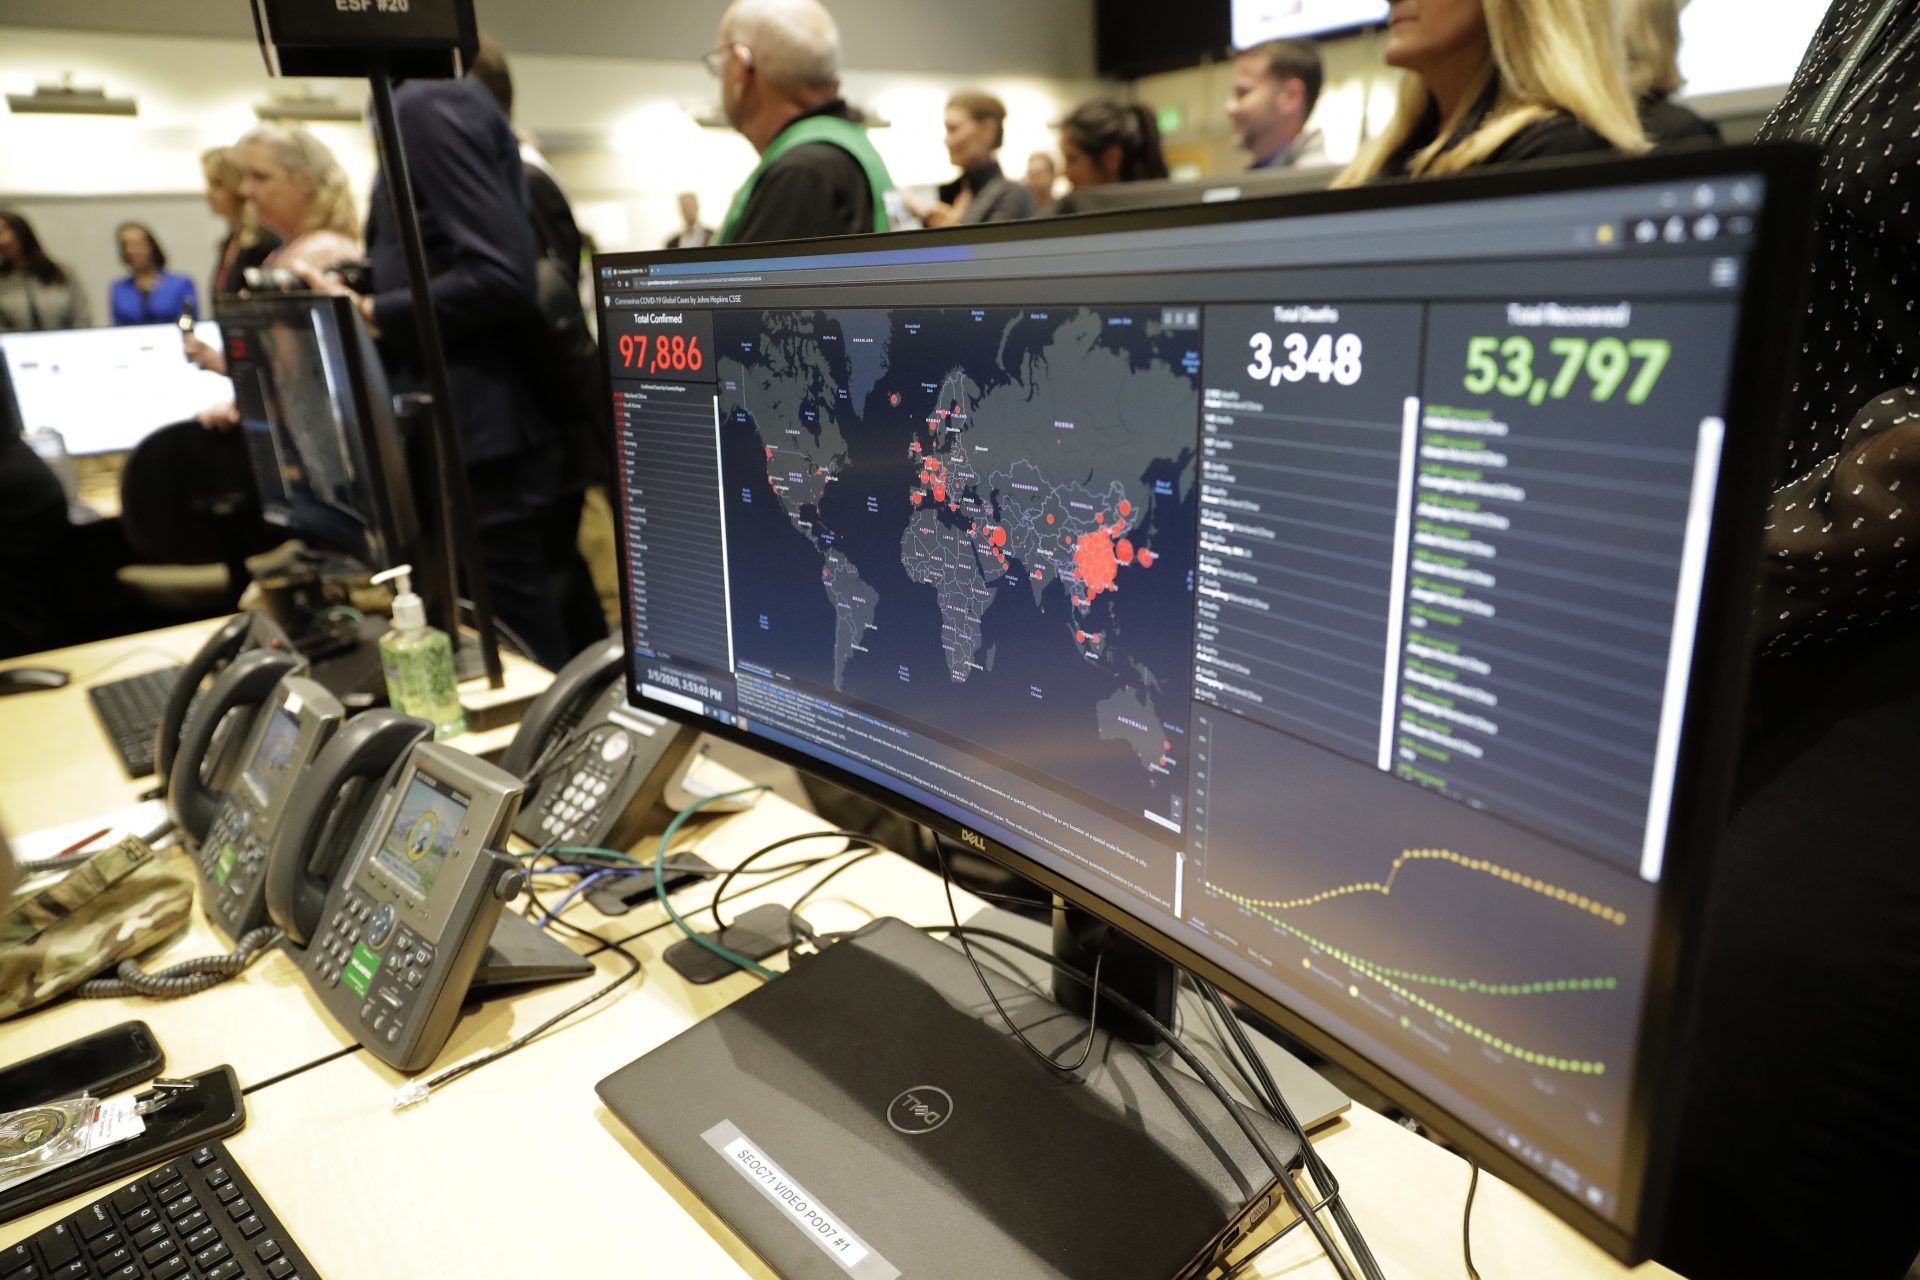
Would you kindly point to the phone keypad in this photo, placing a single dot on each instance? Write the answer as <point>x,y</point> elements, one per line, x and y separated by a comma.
<point>232,861</point>
<point>574,801</point>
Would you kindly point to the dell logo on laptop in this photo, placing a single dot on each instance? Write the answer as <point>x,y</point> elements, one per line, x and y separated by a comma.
<point>921,1109</point>
<point>974,838</point>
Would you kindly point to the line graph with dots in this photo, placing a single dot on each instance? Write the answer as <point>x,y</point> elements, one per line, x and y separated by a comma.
<point>1402,982</point>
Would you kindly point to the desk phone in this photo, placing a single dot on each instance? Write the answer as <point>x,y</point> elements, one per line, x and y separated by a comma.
<point>405,928</point>
<point>220,723</point>
<point>292,726</point>
<point>595,767</point>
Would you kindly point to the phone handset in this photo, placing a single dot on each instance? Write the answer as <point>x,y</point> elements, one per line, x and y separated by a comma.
<point>595,768</point>
<point>323,820</point>
<point>293,725</point>
<point>215,654</point>
<point>408,922</point>
<point>194,789</point>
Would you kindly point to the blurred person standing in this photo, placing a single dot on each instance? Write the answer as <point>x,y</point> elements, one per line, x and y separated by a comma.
<point>1105,141</point>
<point>1042,176</point>
<point>976,127</point>
<point>693,233</point>
<point>1275,87</point>
<point>566,376</point>
<point>247,243</point>
<point>35,291</point>
<point>296,185</point>
<point>149,294</point>
<point>464,162</point>
<point>1652,31</point>
<point>778,63</point>
<point>1811,966</point>
<point>1501,82</point>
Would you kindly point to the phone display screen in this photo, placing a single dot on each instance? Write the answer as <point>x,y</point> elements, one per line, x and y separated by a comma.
<point>273,755</point>
<point>416,844</point>
<point>102,1063</point>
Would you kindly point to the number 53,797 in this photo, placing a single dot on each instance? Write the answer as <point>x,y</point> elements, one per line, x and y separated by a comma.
<point>1506,365</point>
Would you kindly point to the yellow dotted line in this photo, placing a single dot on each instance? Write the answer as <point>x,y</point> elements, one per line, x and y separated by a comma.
<point>1384,888</point>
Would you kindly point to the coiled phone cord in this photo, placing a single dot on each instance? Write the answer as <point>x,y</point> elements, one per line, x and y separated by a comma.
<point>185,978</point>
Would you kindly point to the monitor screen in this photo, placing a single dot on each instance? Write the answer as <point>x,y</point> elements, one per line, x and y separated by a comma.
<point>1311,585</point>
<point>415,847</point>
<point>1258,20</point>
<point>274,753</point>
<point>106,390</point>
<point>318,427</point>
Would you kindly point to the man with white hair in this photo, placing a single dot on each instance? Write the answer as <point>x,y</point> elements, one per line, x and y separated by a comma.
<point>778,63</point>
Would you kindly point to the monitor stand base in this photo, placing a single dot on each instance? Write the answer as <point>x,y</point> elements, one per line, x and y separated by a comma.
<point>1314,1101</point>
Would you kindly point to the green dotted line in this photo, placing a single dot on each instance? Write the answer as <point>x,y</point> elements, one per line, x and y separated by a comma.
<point>1378,973</point>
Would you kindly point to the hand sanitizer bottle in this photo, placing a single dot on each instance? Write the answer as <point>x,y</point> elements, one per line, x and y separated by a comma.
<point>418,661</point>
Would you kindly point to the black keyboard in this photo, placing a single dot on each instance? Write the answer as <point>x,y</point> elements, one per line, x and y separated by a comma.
<point>130,712</point>
<point>199,1218</point>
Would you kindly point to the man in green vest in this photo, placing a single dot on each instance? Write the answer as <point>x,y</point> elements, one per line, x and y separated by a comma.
<point>778,63</point>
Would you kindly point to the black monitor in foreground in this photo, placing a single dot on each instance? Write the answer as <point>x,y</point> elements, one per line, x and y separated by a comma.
<point>1343,594</point>
<point>319,424</point>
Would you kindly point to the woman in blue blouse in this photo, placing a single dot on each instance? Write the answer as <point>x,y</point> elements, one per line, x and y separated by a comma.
<point>150,294</point>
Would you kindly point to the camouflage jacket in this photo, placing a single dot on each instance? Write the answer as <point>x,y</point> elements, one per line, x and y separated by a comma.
<point>120,903</point>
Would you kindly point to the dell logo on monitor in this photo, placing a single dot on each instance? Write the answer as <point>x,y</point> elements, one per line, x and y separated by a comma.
<point>921,1109</point>
<point>974,838</point>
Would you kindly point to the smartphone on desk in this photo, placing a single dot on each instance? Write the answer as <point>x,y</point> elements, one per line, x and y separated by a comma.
<point>101,1064</point>
<point>212,1108</point>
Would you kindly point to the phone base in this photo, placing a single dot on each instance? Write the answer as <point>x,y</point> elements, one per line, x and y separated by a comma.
<point>521,954</point>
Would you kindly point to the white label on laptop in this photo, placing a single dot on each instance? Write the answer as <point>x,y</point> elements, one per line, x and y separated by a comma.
<point>820,1225</point>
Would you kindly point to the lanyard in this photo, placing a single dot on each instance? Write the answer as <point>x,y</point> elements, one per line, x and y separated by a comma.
<point>1817,124</point>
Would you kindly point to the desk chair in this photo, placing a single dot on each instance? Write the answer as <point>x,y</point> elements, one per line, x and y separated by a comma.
<point>191,515</point>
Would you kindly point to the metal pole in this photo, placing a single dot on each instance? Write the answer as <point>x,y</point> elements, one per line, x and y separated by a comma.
<point>456,511</point>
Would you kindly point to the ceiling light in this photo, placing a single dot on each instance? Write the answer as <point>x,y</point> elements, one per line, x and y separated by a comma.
<point>67,100</point>
<point>307,106</point>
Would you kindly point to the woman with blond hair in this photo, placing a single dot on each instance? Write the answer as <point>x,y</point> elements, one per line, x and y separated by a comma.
<point>1501,82</point>
<point>300,192</point>
<point>1652,31</point>
<point>247,243</point>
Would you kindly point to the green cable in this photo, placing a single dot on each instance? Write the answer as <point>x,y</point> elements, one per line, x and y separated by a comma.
<point>660,884</point>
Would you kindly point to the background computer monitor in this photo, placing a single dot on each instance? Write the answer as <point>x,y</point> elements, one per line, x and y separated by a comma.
<point>1344,594</point>
<point>1162,193</point>
<point>106,390</point>
<point>313,402</point>
<point>1258,20</point>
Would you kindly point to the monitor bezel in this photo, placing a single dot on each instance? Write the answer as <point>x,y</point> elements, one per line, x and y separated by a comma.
<point>394,534</point>
<point>1721,657</point>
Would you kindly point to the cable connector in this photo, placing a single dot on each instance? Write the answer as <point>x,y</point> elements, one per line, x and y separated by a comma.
<point>410,1094</point>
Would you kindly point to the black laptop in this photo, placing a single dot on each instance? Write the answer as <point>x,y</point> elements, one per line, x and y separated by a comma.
<point>868,1116</point>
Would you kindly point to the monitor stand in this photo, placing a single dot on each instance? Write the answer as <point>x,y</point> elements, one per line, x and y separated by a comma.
<point>875,1084</point>
<point>1314,1101</point>
<point>521,954</point>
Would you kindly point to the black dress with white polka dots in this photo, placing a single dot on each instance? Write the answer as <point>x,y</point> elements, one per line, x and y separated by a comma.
<point>1798,1152</point>
<point>1845,522</point>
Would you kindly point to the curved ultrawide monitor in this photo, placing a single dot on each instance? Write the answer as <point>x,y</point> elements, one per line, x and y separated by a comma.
<point>1343,593</point>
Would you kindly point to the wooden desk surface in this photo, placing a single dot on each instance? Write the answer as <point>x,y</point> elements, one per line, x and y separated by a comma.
<point>56,765</point>
<point>528,1129</point>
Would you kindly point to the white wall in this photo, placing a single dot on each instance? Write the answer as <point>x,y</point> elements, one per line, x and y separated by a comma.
<point>620,133</point>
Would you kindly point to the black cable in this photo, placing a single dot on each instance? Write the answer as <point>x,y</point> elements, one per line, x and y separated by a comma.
<point>186,978</point>
<point>417,1092</point>
<point>720,890</point>
<point>1093,1010</point>
<point>1194,1064</point>
<point>794,923</point>
<point>1466,1222</point>
<point>1323,1179</point>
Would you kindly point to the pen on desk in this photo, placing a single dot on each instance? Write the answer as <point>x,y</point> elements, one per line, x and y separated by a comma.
<point>78,845</point>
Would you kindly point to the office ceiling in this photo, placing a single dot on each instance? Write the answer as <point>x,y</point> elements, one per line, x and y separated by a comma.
<point>965,37</point>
